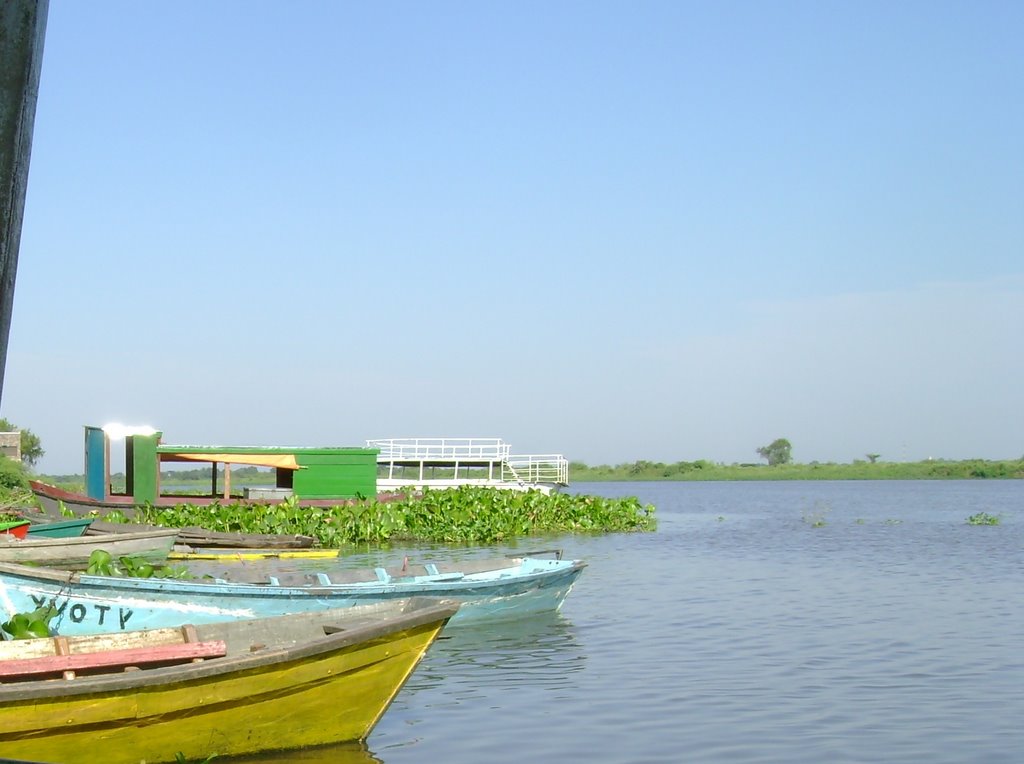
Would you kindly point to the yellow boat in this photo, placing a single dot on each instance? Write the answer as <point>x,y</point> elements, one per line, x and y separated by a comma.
<point>231,688</point>
<point>185,552</point>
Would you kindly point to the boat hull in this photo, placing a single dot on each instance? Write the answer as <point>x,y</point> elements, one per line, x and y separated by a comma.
<point>74,552</point>
<point>59,529</point>
<point>97,604</point>
<point>56,503</point>
<point>331,691</point>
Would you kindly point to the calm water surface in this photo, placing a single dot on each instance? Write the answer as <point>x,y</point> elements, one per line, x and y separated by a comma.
<point>745,630</point>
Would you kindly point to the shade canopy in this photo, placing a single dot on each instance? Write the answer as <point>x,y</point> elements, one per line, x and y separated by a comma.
<point>280,461</point>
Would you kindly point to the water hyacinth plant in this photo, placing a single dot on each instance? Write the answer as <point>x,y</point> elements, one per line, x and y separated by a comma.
<point>102,563</point>
<point>464,514</point>
<point>816,517</point>
<point>983,518</point>
<point>29,625</point>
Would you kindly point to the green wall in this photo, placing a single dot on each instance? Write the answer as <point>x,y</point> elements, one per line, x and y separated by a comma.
<point>332,473</point>
<point>145,471</point>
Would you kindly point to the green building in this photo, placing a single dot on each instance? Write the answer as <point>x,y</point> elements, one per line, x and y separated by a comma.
<point>311,474</point>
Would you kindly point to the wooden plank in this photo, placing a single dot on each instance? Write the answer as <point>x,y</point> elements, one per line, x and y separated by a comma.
<point>110,659</point>
<point>94,643</point>
<point>62,647</point>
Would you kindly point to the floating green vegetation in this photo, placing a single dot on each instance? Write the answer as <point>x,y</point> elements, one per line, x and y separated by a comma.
<point>983,518</point>
<point>464,514</point>
<point>816,517</point>
<point>29,625</point>
<point>102,563</point>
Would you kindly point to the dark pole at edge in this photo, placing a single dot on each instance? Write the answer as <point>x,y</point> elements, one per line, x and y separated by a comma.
<point>22,31</point>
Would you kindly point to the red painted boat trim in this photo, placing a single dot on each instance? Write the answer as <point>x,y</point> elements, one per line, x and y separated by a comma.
<point>32,668</point>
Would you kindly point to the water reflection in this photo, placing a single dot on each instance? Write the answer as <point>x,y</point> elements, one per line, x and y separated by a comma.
<point>536,658</point>
<point>539,651</point>
<point>345,753</point>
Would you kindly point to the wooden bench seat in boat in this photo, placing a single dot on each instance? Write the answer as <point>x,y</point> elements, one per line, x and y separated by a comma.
<point>66,656</point>
<point>123,659</point>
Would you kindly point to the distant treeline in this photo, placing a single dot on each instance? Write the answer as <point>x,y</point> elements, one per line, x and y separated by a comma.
<point>932,469</point>
<point>177,476</point>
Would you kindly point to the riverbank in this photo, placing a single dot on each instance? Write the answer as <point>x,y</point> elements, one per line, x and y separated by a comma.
<point>701,470</point>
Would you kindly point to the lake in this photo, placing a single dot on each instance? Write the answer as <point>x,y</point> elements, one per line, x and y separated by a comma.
<point>763,622</point>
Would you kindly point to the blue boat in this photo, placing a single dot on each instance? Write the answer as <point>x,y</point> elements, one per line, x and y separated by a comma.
<point>90,604</point>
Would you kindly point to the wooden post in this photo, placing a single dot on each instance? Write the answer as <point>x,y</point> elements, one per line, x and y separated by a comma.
<point>22,31</point>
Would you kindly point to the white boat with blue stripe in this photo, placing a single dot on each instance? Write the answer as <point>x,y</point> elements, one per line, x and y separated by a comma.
<point>487,590</point>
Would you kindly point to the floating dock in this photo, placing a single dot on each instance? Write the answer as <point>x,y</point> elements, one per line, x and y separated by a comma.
<point>452,462</point>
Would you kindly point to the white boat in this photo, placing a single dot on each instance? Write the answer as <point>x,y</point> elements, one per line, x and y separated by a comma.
<point>73,553</point>
<point>487,590</point>
<point>418,463</point>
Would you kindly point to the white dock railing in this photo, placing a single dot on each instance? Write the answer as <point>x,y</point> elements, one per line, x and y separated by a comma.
<point>460,456</point>
<point>440,449</point>
<point>537,468</point>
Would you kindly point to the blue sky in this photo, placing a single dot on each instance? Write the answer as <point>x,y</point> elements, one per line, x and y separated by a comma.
<point>616,231</point>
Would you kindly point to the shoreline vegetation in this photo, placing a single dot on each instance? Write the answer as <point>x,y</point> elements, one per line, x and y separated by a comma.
<point>929,469</point>
<point>464,515</point>
<point>199,480</point>
<point>475,515</point>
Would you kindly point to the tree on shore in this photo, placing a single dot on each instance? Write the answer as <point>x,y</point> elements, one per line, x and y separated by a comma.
<point>779,451</point>
<point>872,457</point>
<point>31,448</point>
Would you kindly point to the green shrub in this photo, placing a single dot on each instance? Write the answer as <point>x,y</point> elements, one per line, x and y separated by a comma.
<point>12,475</point>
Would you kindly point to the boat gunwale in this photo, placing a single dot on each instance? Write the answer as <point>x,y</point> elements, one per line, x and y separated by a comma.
<point>262,589</point>
<point>89,540</point>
